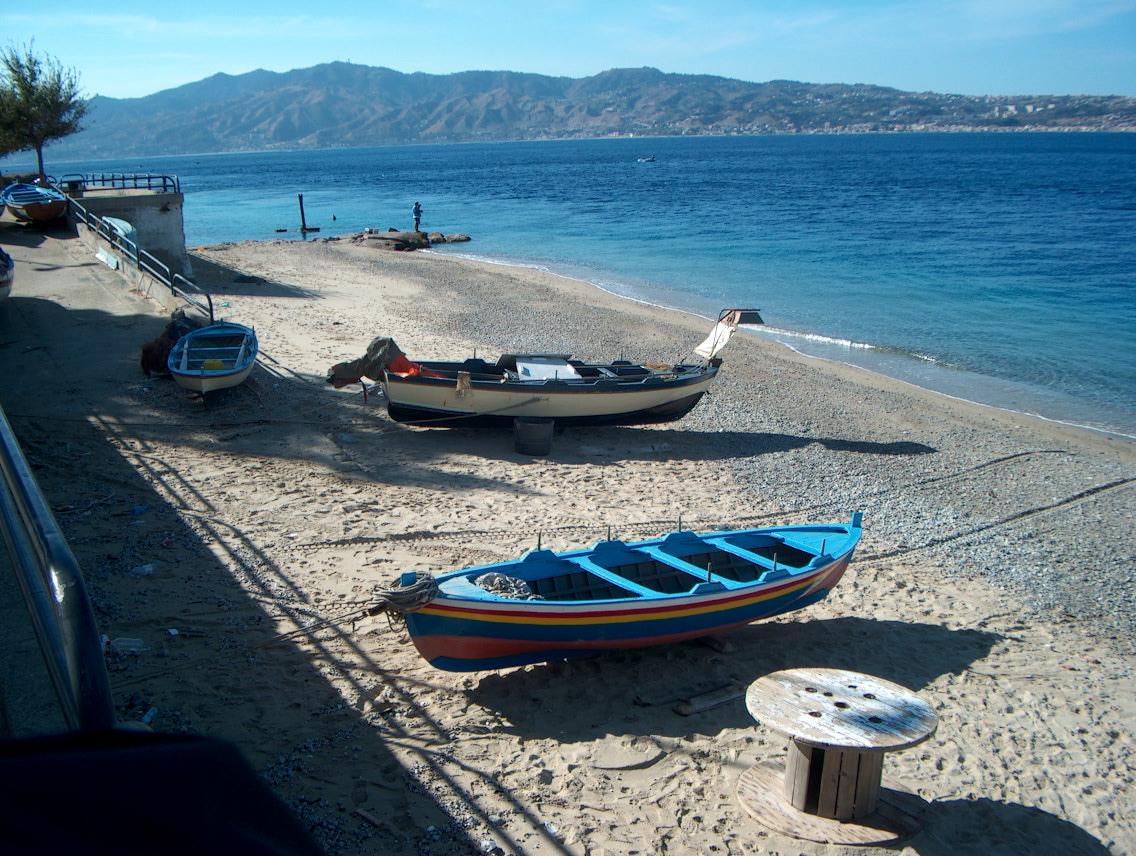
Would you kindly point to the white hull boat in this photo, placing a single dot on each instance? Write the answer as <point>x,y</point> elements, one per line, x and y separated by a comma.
<point>541,387</point>
<point>215,357</point>
<point>546,387</point>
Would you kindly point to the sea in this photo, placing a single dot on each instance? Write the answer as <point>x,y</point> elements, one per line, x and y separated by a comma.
<point>998,268</point>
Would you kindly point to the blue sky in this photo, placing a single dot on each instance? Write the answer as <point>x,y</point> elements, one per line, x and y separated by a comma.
<point>973,47</point>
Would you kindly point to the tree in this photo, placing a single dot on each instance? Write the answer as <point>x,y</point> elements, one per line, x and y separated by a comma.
<point>39,102</point>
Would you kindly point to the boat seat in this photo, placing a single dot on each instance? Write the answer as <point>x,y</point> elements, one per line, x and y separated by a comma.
<point>722,564</point>
<point>657,576</point>
<point>579,585</point>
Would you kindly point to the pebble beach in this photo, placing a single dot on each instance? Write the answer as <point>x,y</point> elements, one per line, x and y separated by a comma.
<point>987,581</point>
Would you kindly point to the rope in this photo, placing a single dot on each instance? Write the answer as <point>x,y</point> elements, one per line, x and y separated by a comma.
<point>406,598</point>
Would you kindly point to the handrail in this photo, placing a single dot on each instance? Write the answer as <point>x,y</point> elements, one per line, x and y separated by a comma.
<point>54,592</point>
<point>120,181</point>
<point>142,260</point>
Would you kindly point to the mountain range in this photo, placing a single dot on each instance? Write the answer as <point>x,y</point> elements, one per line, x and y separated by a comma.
<point>343,105</point>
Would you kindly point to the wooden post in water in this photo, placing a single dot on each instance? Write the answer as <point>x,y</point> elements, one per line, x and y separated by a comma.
<point>304,227</point>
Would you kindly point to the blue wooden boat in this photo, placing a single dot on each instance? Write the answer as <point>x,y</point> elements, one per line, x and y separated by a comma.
<point>215,357</point>
<point>552,606</point>
<point>34,203</point>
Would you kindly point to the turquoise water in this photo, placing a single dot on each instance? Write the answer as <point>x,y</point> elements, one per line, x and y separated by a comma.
<point>994,267</point>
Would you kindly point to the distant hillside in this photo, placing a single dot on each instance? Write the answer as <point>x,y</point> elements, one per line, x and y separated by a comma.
<point>339,104</point>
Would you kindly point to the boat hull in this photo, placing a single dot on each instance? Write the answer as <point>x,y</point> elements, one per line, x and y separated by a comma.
<point>213,358</point>
<point>438,400</point>
<point>469,632</point>
<point>33,204</point>
<point>211,381</point>
<point>39,212</point>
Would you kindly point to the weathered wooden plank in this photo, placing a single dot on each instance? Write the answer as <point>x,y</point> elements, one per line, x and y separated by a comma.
<point>708,700</point>
<point>797,774</point>
<point>829,784</point>
<point>867,793</point>
<point>846,785</point>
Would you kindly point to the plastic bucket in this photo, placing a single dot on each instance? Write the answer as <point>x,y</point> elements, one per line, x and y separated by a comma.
<point>532,436</point>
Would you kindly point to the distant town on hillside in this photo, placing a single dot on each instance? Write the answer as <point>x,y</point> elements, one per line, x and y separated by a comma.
<point>342,104</point>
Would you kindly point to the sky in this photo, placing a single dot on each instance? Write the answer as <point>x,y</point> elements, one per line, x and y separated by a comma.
<point>969,47</point>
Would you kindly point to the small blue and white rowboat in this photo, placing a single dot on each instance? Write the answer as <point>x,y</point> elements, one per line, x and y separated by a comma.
<point>548,606</point>
<point>33,203</point>
<point>215,357</point>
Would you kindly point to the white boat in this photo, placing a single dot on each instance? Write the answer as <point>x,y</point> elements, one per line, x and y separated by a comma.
<point>542,386</point>
<point>215,357</point>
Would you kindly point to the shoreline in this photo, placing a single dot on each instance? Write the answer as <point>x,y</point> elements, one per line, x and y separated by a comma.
<point>771,333</point>
<point>258,526</point>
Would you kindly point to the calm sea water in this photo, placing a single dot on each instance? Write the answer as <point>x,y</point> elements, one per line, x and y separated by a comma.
<point>998,268</point>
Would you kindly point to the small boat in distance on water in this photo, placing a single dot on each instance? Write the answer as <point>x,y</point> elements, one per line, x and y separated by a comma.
<point>33,203</point>
<point>541,386</point>
<point>552,606</point>
<point>218,356</point>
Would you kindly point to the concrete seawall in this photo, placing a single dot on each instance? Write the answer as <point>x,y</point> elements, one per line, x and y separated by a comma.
<point>157,217</point>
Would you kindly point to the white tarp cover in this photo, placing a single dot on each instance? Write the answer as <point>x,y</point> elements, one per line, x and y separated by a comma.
<point>717,340</point>
<point>546,368</point>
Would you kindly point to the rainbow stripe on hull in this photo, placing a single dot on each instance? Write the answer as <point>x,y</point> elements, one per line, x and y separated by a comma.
<point>654,592</point>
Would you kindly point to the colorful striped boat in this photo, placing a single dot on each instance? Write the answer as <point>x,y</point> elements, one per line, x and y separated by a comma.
<point>552,606</point>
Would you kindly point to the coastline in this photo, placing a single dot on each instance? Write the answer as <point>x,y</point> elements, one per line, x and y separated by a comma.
<point>771,333</point>
<point>986,581</point>
<point>608,329</point>
<point>825,277</point>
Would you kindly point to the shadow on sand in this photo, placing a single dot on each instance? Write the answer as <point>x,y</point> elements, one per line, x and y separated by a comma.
<point>634,691</point>
<point>954,827</point>
<point>612,444</point>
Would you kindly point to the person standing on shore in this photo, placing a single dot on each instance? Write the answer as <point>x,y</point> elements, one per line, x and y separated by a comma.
<point>417,215</point>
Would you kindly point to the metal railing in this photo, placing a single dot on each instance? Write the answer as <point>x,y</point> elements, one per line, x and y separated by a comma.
<point>75,181</point>
<point>53,590</point>
<point>46,572</point>
<point>178,285</point>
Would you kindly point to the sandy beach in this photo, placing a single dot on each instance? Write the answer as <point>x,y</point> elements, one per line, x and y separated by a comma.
<point>256,527</point>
